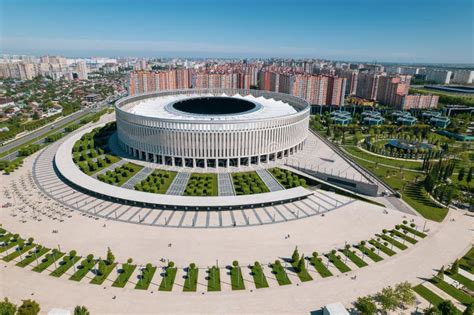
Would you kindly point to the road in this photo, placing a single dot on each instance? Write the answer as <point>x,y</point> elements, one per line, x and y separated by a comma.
<point>58,127</point>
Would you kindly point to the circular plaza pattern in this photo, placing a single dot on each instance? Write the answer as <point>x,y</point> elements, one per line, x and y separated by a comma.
<point>211,128</point>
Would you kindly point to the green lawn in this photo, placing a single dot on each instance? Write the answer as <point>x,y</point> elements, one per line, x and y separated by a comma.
<point>413,231</point>
<point>120,175</point>
<point>157,182</point>
<point>353,257</point>
<point>201,185</point>
<point>382,247</point>
<point>100,277</point>
<point>467,261</point>
<point>368,252</point>
<point>404,182</point>
<point>459,295</point>
<point>28,259</point>
<point>337,262</point>
<point>404,236</point>
<point>213,279</point>
<point>9,244</point>
<point>236,279</point>
<point>83,269</point>
<point>428,295</point>
<point>190,283</point>
<point>462,280</point>
<point>280,274</point>
<point>388,161</point>
<point>124,274</point>
<point>64,265</point>
<point>392,241</point>
<point>287,178</point>
<point>18,253</point>
<point>320,267</point>
<point>168,279</point>
<point>303,274</point>
<point>113,159</point>
<point>48,260</point>
<point>258,276</point>
<point>247,183</point>
<point>145,278</point>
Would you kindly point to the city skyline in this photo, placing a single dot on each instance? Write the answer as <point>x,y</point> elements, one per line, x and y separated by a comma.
<point>362,31</point>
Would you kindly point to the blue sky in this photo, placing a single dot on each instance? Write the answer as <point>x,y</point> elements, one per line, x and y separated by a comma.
<point>364,30</point>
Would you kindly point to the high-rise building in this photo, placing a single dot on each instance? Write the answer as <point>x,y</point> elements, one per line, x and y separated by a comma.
<point>463,77</point>
<point>389,87</point>
<point>367,85</point>
<point>82,71</point>
<point>319,89</point>
<point>351,77</point>
<point>438,76</point>
<point>417,101</point>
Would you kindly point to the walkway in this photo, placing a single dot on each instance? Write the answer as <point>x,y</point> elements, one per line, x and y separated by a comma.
<point>270,181</point>
<point>179,183</point>
<point>109,168</point>
<point>138,177</point>
<point>225,185</point>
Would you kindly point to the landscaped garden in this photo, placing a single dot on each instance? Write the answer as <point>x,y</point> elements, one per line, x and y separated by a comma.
<point>248,183</point>
<point>157,182</point>
<point>201,185</point>
<point>287,178</point>
<point>120,175</point>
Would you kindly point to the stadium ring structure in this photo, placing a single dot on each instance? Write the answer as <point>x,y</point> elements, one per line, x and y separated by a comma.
<point>212,127</point>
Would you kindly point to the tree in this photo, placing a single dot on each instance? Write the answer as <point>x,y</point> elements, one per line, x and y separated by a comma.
<point>461,174</point>
<point>440,275</point>
<point>110,256</point>
<point>388,299</point>
<point>81,310</point>
<point>429,182</point>
<point>455,267</point>
<point>365,305</point>
<point>7,308</point>
<point>431,311</point>
<point>469,175</point>
<point>447,308</point>
<point>469,309</point>
<point>405,294</point>
<point>296,256</point>
<point>28,307</point>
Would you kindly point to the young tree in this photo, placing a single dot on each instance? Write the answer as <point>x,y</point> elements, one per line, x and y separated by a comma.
<point>295,257</point>
<point>447,308</point>
<point>469,175</point>
<point>81,310</point>
<point>469,309</point>
<point>440,274</point>
<point>365,305</point>
<point>461,174</point>
<point>405,294</point>
<point>7,307</point>
<point>110,256</point>
<point>455,267</point>
<point>431,311</point>
<point>388,299</point>
<point>28,307</point>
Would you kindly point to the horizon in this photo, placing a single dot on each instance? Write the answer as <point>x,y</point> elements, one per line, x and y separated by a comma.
<point>267,30</point>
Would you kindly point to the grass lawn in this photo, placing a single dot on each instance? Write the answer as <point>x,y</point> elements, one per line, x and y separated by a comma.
<point>246,183</point>
<point>100,278</point>
<point>382,247</point>
<point>459,295</point>
<point>190,283</point>
<point>48,260</point>
<point>258,276</point>
<point>9,245</point>
<point>124,274</point>
<point>428,295</point>
<point>145,278</point>
<point>280,274</point>
<point>168,279</point>
<point>303,274</point>
<point>134,168</point>
<point>353,257</point>
<point>412,193</point>
<point>413,231</point>
<point>388,161</point>
<point>17,252</point>
<point>83,269</point>
<point>368,252</point>
<point>157,182</point>
<point>213,279</point>
<point>113,159</point>
<point>392,241</point>
<point>28,259</point>
<point>5,236</point>
<point>337,262</point>
<point>462,280</point>
<point>236,279</point>
<point>64,265</point>
<point>404,236</point>
<point>201,185</point>
<point>467,261</point>
<point>320,267</point>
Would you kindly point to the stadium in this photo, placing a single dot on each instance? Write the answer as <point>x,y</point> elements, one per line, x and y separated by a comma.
<point>212,128</point>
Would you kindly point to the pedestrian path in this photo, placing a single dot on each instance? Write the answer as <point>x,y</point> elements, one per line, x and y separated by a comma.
<point>270,181</point>
<point>225,185</point>
<point>109,168</point>
<point>138,177</point>
<point>179,183</point>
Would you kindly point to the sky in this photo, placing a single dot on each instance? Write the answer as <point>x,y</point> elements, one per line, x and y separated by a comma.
<point>431,31</point>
